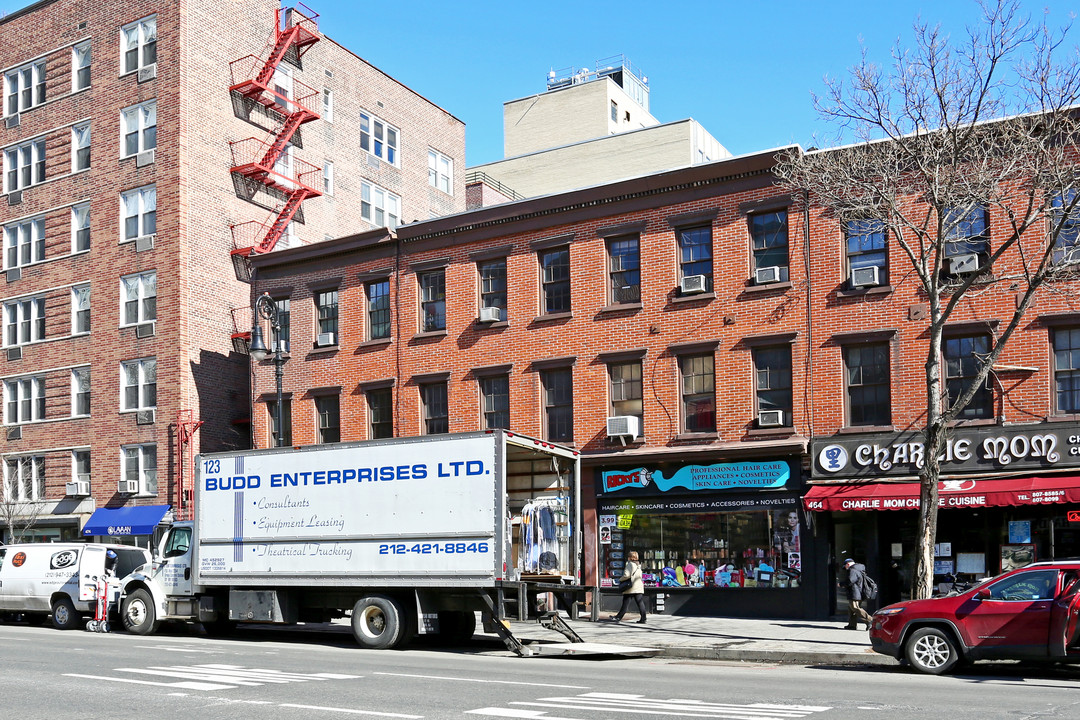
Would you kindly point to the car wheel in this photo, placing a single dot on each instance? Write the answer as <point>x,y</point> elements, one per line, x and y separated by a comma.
<point>138,613</point>
<point>931,650</point>
<point>64,616</point>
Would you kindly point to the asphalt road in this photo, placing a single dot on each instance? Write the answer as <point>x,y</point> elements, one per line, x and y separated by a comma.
<point>272,675</point>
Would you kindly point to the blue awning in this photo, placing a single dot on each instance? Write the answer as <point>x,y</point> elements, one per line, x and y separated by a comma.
<point>139,520</point>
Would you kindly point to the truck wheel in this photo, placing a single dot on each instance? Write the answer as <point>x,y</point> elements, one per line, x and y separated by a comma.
<point>377,622</point>
<point>931,650</point>
<point>64,616</point>
<point>139,614</point>
<point>457,627</point>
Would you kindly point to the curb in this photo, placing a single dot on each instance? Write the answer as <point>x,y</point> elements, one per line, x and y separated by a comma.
<point>779,657</point>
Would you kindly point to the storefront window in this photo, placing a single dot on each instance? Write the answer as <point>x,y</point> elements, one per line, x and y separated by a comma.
<point>754,548</point>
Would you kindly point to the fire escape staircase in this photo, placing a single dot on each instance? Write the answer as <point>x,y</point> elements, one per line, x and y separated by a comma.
<point>268,162</point>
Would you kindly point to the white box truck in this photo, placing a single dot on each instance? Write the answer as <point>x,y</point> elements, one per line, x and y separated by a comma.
<point>406,536</point>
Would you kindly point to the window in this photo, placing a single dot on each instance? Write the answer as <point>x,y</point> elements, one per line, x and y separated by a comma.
<point>555,280</point>
<point>379,207</point>
<point>326,310</point>
<point>495,392</point>
<point>380,413</point>
<point>24,88</point>
<point>24,321</point>
<point>138,44</point>
<point>866,373</point>
<point>24,243</point>
<point>24,400</point>
<point>378,309</point>
<point>138,128</point>
<point>963,358</point>
<point>378,138</point>
<point>866,249</point>
<point>328,105</point>
<point>80,465</point>
<point>432,300</point>
<point>80,309</point>
<point>280,439</point>
<point>282,83</point>
<point>80,147</point>
<point>138,384</point>
<point>1067,370</point>
<point>329,416</point>
<point>440,172</point>
<point>1026,586</point>
<point>698,393</point>
<point>24,165</point>
<point>1067,245</point>
<point>614,111</point>
<point>493,285</point>
<point>695,254</point>
<point>80,392</point>
<point>80,227</point>
<point>140,465</point>
<point>967,231</point>
<point>285,320</point>
<point>139,212</point>
<point>80,66</point>
<point>625,384</point>
<point>772,367</point>
<point>24,478</point>
<point>558,404</point>
<point>435,407</point>
<point>138,299</point>
<point>328,178</point>
<point>769,237</point>
<point>624,270</point>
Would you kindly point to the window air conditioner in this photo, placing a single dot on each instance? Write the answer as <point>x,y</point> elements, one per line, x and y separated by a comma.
<point>14,353</point>
<point>963,264</point>
<point>145,417</point>
<point>11,121</point>
<point>692,284</point>
<point>145,242</point>
<point>77,488</point>
<point>490,314</point>
<point>145,330</point>
<point>623,426</point>
<point>765,275</point>
<point>770,418</point>
<point>14,197</point>
<point>14,274</point>
<point>128,487</point>
<point>325,339</point>
<point>148,73</point>
<point>865,276</point>
<point>14,433</point>
<point>144,158</point>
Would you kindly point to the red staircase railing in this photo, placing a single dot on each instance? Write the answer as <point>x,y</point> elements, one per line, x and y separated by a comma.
<point>257,160</point>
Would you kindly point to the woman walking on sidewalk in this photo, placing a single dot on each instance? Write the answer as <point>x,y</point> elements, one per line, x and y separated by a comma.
<point>635,590</point>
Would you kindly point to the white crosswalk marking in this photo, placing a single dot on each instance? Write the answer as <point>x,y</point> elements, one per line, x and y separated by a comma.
<point>625,704</point>
<point>214,676</point>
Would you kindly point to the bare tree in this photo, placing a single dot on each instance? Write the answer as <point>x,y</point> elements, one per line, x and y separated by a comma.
<point>949,131</point>
<point>20,506</point>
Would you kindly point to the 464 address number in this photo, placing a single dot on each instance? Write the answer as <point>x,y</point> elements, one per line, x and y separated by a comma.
<point>449,548</point>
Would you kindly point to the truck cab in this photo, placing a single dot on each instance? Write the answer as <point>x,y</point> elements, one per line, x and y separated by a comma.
<point>161,589</point>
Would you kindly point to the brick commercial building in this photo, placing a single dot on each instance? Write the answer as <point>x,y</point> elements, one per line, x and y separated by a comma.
<point>150,148</point>
<point>679,331</point>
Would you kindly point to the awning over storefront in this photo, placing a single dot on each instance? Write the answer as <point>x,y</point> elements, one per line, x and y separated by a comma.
<point>140,520</point>
<point>951,494</point>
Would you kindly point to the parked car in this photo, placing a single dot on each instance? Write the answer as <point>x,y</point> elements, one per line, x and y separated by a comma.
<point>1030,613</point>
<point>59,579</point>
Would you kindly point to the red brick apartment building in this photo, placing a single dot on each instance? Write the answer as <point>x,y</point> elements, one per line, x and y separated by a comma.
<point>149,149</point>
<point>707,361</point>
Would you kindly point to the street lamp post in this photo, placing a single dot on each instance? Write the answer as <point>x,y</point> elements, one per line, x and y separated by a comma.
<point>266,309</point>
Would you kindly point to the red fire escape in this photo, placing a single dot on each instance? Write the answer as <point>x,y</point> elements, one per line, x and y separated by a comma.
<point>267,162</point>
<point>186,425</point>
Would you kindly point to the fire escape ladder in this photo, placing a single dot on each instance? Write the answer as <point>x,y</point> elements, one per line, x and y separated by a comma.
<point>285,40</point>
<point>285,215</point>
<point>283,137</point>
<point>186,427</point>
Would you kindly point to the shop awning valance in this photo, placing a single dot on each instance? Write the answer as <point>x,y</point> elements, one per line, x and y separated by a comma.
<point>139,520</point>
<point>951,494</point>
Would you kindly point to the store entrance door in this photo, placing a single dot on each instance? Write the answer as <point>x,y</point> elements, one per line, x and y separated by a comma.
<point>854,536</point>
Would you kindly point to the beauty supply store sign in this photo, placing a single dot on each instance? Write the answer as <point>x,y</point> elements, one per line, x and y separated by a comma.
<point>989,448</point>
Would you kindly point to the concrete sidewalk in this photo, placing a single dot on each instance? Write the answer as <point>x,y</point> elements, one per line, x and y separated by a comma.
<point>734,639</point>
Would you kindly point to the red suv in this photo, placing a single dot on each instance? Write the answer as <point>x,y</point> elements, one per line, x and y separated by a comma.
<point>1025,614</point>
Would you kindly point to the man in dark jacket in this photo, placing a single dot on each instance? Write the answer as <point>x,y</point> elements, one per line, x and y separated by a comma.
<point>856,614</point>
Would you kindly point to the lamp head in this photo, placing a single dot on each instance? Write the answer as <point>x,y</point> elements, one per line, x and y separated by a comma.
<point>258,349</point>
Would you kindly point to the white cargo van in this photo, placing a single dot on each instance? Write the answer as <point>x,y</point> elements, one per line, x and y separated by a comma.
<point>38,579</point>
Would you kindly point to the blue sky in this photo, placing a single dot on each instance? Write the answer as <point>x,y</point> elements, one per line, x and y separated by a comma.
<point>744,70</point>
